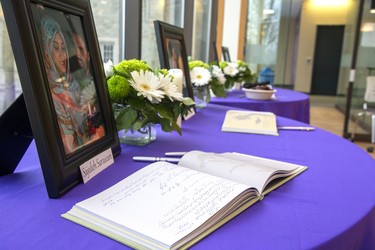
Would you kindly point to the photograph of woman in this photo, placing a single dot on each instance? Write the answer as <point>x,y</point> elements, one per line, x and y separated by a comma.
<point>174,52</point>
<point>73,115</point>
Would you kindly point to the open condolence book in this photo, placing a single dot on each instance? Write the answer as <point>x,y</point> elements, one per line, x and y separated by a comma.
<point>169,206</point>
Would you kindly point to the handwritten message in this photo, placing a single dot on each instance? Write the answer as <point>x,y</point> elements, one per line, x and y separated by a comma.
<point>165,201</point>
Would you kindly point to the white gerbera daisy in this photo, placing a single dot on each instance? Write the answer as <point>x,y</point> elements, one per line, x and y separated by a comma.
<point>200,76</point>
<point>147,85</point>
<point>170,89</point>
<point>231,69</point>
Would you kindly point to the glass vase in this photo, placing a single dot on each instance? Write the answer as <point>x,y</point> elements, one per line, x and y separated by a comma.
<point>201,96</point>
<point>237,86</point>
<point>140,137</point>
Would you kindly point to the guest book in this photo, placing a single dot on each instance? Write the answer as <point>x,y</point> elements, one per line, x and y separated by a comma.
<point>169,206</point>
<point>255,122</point>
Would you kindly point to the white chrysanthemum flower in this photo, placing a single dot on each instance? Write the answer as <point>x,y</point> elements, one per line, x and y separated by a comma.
<point>170,89</point>
<point>242,68</point>
<point>231,69</point>
<point>218,73</point>
<point>222,79</point>
<point>88,94</point>
<point>147,85</point>
<point>200,76</point>
<point>108,69</point>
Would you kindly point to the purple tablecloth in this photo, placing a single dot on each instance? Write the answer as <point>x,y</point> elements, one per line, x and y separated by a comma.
<point>329,206</point>
<point>287,103</point>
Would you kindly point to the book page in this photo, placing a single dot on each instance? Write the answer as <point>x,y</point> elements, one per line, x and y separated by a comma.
<point>246,169</point>
<point>250,122</point>
<point>163,201</point>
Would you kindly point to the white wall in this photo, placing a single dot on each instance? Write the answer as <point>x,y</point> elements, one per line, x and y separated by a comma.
<point>313,15</point>
<point>232,9</point>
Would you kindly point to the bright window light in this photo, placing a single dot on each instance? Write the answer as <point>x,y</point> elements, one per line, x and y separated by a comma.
<point>368,27</point>
<point>268,12</point>
<point>330,3</point>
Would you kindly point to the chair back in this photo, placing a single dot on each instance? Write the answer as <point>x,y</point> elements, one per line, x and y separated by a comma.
<point>370,89</point>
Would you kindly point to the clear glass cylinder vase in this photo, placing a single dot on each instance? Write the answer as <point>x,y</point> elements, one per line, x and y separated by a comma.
<point>201,96</point>
<point>237,86</point>
<point>140,137</point>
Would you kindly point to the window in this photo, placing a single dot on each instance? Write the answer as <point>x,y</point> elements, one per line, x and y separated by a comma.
<point>201,30</point>
<point>262,34</point>
<point>169,11</point>
<point>10,86</point>
<point>107,52</point>
<point>108,16</point>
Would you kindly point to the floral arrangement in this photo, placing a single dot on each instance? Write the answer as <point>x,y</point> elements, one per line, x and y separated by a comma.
<point>204,75</point>
<point>238,71</point>
<point>141,96</point>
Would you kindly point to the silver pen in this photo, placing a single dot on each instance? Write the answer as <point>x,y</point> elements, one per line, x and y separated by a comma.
<point>296,128</point>
<point>154,159</point>
<point>175,153</point>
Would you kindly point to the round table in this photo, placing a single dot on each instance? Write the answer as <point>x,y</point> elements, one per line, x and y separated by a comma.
<point>329,206</point>
<point>286,103</point>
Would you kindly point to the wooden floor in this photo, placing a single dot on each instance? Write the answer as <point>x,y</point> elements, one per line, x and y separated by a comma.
<point>324,115</point>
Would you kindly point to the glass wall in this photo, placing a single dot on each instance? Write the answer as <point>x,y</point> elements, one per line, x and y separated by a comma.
<point>365,64</point>
<point>201,30</point>
<point>268,35</point>
<point>109,25</point>
<point>169,11</point>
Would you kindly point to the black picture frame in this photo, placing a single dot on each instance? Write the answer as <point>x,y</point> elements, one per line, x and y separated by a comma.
<point>69,125</point>
<point>15,134</point>
<point>216,55</point>
<point>167,37</point>
<point>226,54</point>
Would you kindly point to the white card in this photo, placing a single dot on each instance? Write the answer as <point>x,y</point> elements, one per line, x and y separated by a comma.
<point>96,164</point>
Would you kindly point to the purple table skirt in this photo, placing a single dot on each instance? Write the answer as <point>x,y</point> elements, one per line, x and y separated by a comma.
<point>329,206</point>
<point>287,103</point>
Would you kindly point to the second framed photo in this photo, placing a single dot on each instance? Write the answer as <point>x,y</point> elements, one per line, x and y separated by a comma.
<point>61,71</point>
<point>172,51</point>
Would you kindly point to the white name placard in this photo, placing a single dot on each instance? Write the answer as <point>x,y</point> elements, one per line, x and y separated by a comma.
<point>96,164</point>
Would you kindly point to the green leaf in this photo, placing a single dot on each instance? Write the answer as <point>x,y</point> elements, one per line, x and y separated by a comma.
<point>125,118</point>
<point>188,101</point>
<point>218,89</point>
<point>208,97</point>
<point>166,125</point>
<point>176,128</point>
<point>137,124</point>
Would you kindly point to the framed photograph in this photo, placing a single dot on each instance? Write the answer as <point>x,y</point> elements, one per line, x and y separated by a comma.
<point>172,52</point>
<point>225,52</point>
<point>61,71</point>
<point>216,55</point>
